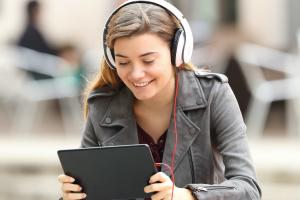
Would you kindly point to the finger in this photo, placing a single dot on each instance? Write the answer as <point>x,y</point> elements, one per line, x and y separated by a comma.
<point>159,177</point>
<point>156,187</point>
<point>65,179</point>
<point>73,196</point>
<point>160,195</point>
<point>168,196</point>
<point>68,187</point>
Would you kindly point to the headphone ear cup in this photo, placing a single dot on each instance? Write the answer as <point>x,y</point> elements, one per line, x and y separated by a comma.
<point>110,57</point>
<point>177,48</point>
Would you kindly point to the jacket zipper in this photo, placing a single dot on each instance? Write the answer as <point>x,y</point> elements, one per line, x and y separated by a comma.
<point>192,165</point>
<point>213,187</point>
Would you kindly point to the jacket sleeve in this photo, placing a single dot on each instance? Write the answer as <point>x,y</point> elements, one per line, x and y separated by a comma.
<point>89,138</point>
<point>229,135</point>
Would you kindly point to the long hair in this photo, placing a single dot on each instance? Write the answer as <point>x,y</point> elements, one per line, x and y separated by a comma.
<point>133,19</point>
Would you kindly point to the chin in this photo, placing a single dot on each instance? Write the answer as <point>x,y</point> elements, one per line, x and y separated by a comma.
<point>143,97</point>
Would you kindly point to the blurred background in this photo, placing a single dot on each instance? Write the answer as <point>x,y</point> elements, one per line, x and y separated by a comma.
<point>50,49</point>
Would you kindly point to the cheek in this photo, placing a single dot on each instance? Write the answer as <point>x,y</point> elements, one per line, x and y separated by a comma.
<point>166,70</point>
<point>121,74</point>
<point>167,65</point>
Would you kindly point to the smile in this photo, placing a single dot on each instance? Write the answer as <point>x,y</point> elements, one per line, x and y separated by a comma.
<point>141,84</point>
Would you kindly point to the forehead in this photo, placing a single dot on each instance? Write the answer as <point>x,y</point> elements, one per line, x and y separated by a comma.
<point>139,44</point>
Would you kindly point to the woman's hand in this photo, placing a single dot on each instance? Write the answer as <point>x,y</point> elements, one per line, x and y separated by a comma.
<point>70,191</point>
<point>162,185</point>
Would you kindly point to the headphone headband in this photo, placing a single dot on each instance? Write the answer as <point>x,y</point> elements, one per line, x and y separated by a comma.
<point>187,48</point>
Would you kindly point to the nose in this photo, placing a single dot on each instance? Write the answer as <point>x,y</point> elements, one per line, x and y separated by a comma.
<point>137,72</point>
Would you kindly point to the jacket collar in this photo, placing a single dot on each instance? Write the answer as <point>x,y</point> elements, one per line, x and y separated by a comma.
<point>190,96</point>
<point>119,115</point>
<point>120,109</point>
<point>190,92</point>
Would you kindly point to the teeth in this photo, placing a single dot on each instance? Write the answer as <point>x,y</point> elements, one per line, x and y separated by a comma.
<point>142,84</point>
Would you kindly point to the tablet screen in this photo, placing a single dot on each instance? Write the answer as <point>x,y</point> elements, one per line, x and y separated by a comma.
<point>114,172</point>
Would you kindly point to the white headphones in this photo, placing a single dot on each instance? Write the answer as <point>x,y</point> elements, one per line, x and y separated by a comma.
<point>182,46</point>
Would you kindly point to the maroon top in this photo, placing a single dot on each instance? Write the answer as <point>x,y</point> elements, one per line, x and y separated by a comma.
<point>157,150</point>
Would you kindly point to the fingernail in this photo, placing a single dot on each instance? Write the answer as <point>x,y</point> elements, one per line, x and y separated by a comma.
<point>72,179</point>
<point>84,195</point>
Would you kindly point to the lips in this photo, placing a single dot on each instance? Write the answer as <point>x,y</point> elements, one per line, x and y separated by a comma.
<point>141,84</point>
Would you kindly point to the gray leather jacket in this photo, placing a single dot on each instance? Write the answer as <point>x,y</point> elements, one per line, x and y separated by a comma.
<point>212,157</point>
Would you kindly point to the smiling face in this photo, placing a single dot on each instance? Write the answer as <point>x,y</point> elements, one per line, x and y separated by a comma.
<point>143,63</point>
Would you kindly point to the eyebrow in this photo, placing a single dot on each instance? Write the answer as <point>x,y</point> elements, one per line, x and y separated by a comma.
<point>145,54</point>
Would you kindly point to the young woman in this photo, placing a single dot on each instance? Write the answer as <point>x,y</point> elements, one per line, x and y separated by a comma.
<point>146,92</point>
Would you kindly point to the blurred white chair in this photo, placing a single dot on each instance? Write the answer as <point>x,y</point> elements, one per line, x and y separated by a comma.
<point>33,92</point>
<point>10,84</point>
<point>253,60</point>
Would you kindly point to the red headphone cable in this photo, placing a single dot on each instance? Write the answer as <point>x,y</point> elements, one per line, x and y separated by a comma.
<point>171,169</point>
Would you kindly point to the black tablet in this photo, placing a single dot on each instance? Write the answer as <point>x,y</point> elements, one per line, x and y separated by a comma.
<point>114,172</point>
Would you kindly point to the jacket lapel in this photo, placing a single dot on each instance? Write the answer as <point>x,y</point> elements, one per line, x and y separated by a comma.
<point>190,97</point>
<point>119,115</point>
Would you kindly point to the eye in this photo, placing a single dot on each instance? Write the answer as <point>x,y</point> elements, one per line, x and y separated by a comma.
<point>123,63</point>
<point>148,62</point>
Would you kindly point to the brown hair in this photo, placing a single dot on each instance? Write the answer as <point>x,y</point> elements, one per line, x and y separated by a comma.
<point>133,19</point>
